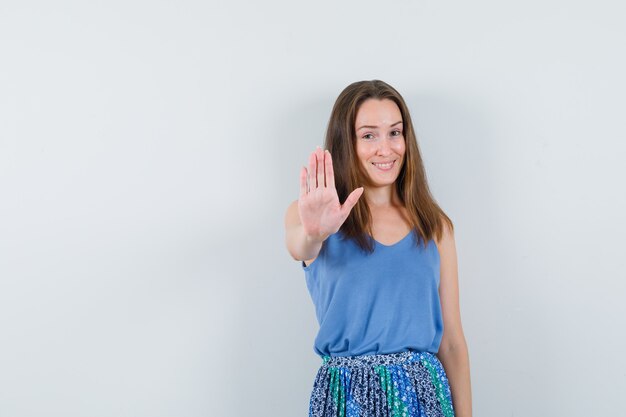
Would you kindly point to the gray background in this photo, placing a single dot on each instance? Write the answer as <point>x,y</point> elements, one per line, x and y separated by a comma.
<point>148,151</point>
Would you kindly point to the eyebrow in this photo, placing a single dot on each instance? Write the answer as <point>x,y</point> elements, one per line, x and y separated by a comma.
<point>376,127</point>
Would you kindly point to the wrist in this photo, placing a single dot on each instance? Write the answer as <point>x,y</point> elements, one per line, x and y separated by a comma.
<point>316,239</point>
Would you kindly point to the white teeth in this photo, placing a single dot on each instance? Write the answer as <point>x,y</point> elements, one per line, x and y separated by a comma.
<point>384,166</point>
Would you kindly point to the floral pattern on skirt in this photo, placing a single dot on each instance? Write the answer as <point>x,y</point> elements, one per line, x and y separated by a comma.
<point>403,384</point>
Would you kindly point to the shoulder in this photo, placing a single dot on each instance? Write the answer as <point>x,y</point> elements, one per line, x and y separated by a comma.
<point>445,239</point>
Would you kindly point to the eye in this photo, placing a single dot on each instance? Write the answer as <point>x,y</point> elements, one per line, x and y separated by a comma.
<point>368,136</point>
<point>396,133</point>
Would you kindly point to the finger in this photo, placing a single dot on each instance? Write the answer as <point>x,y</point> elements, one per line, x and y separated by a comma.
<point>351,201</point>
<point>330,174</point>
<point>320,167</point>
<point>303,175</point>
<point>312,179</point>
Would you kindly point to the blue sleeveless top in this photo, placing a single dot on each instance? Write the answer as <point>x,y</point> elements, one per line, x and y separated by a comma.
<point>383,302</point>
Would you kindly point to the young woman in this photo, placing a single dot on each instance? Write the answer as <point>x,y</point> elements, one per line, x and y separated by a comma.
<point>381,268</point>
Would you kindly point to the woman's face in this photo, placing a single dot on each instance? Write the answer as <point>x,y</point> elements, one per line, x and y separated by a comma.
<point>380,145</point>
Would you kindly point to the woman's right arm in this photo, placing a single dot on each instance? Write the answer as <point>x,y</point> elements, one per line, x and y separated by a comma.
<point>317,213</point>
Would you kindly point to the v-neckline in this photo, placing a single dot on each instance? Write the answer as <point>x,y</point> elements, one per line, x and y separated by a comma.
<point>393,244</point>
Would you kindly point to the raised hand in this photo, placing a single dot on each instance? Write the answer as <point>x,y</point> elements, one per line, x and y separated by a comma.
<point>320,211</point>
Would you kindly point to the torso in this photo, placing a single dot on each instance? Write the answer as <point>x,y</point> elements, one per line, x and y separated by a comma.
<point>352,289</point>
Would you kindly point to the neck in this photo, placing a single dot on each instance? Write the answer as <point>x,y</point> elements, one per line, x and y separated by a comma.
<point>382,196</point>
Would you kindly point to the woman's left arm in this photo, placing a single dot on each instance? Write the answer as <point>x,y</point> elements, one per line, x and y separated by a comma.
<point>453,352</point>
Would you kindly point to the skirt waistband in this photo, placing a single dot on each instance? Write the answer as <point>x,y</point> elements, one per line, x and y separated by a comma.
<point>377,359</point>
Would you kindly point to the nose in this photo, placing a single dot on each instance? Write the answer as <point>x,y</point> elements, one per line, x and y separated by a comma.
<point>384,147</point>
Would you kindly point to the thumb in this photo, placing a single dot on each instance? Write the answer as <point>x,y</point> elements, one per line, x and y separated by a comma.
<point>351,201</point>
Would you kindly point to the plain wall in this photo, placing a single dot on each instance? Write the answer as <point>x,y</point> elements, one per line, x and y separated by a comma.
<point>148,151</point>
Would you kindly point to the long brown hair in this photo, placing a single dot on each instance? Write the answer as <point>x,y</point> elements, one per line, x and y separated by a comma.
<point>425,215</point>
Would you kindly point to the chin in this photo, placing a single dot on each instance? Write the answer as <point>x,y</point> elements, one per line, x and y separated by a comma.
<point>382,182</point>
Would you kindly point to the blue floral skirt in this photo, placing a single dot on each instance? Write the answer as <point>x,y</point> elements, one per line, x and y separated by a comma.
<point>407,384</point>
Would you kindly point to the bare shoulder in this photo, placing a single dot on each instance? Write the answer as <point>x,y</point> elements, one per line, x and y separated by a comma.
<point>447,232</point>
<point>446,241</point>
<point>292,216</point>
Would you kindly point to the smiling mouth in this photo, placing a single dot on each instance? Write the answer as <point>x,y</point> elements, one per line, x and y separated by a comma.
<point>384,166</point>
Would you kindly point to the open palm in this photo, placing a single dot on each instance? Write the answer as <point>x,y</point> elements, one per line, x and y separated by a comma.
<point>320,211</point>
